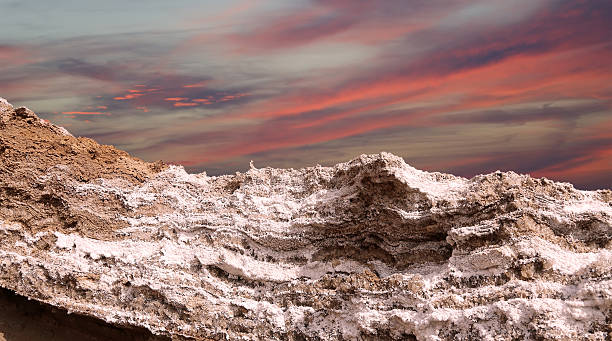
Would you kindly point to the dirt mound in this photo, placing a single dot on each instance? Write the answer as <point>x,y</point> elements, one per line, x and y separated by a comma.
<point>38,159</point>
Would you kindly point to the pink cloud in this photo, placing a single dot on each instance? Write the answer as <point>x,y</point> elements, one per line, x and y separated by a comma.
<point>84,113</point>
<point>197,85</point>
<point>14,55</point>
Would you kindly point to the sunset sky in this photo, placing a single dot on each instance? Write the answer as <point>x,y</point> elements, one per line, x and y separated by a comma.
<point>456,86</point>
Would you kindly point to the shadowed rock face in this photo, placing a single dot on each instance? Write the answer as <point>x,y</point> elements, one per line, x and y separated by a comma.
<point>29,320</point>
<point>368,249</point>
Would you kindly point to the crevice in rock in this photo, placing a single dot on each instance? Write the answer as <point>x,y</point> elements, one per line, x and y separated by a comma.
<point>29,320</point>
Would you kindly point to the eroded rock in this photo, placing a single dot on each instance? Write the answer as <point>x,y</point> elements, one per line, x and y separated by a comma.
<point>367,249</point>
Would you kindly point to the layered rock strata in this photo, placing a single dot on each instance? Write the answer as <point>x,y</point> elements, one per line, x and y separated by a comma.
<point>370,249</point>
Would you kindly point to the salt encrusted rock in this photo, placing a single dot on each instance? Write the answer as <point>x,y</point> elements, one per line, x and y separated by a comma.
<point>367,249</point>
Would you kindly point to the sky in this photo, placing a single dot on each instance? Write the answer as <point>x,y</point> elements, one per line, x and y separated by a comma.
<point>457,86</point>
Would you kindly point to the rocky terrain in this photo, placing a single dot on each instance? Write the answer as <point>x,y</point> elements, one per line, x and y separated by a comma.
<point>370,249</point>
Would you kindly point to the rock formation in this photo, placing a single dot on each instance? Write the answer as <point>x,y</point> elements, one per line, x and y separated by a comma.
<point>370,249</point>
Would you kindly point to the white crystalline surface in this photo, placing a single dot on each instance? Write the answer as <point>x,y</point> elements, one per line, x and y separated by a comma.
<point>368,249</point>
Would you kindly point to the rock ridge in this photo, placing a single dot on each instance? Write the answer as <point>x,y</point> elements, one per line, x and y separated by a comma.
<point>368,249</point>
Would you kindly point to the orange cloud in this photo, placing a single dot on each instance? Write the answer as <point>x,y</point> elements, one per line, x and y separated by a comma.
<point>197,85</point>
<point>176,99</point>
<point>202,100</point>
<point>127,97</point>
<point>180,104</point>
